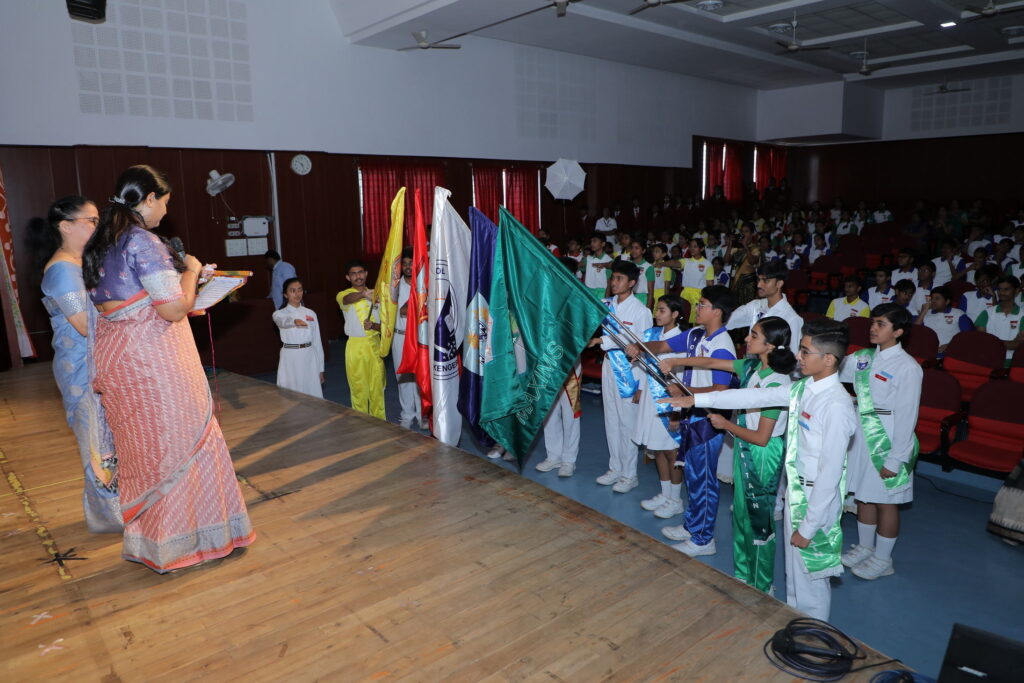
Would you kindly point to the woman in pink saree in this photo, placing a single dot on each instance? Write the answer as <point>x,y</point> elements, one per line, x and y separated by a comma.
<point>179,497</point>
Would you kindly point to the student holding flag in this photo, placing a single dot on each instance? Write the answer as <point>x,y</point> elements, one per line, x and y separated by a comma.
<point>562,425</point>
<point>408,392</point>
<point>363,365</point>
<point>617,381</point>
<point>888,384</point>
<point>701,444</point>
<point>760,443</point>
<point>822,421</point>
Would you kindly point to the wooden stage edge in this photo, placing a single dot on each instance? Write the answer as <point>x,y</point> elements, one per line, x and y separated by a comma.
<point>380,554</point>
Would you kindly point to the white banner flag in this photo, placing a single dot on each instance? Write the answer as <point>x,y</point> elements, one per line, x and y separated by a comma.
<point>450,242</point>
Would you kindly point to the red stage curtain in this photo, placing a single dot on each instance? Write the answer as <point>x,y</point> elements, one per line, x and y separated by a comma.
<point>487,188</point>
<point>733,182</point>
<point>713,167</point>
<point>381,181</point>
<point>771,163</point>
<point>521,196</point>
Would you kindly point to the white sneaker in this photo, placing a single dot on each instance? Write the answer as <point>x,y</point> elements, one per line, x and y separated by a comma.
<point>626,484</point>
<point>547,465</point>
<point>608,478</point>
<point>693,550</point>
<point>495,453</point>
<point>566,469</point>
<point>676,533</point>
<point>873,568</point>
<point>856,554</point>
<point>670,509</point>
<point>725,478</point>
<point>505,455</point>
<point>405,424</point>
<point>652,504</point>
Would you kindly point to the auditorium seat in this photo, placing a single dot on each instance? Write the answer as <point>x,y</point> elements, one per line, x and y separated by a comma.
<point>972,357</point>
<point>923,344</point>
<point>825,275</point>
<point>1017,365</point>
<point>859,333</point>
<point>590,361</point>
<point>995,428</point>
<point>959,288</point>
<point>939,411</point>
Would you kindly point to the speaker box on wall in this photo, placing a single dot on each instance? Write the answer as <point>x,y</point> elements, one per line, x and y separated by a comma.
<point>91,10</point>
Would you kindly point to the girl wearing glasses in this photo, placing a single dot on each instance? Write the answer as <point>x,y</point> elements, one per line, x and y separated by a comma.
<point>69,224</point>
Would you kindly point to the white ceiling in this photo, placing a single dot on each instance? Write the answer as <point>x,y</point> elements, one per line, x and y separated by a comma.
<point>905,44</point>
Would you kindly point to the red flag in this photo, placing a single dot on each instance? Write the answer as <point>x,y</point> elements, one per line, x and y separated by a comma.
<point>416,353</point>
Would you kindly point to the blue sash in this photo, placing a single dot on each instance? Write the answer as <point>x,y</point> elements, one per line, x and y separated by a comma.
<point>663,410</point>
<point>621,366</point>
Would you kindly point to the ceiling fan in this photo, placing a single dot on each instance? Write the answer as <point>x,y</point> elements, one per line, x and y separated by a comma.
<point>561,8</point>
<point>989,11</point>
<point>865,68</point>
<point>944,89</point>
<point>792,47</point>
<point>648,4</point>
<point>423,44</point>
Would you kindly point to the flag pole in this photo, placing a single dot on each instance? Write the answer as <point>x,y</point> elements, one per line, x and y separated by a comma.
<point>648,364</point>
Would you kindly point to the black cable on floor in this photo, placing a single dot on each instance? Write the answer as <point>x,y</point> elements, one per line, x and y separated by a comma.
<point>950,493</point>
<point>815,650</point>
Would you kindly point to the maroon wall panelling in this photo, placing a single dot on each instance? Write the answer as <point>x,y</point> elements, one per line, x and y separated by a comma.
<point>935,170</point>
<point>318,214</point>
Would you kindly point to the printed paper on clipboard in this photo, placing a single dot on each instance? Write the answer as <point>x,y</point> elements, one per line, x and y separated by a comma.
<point>218,287</point>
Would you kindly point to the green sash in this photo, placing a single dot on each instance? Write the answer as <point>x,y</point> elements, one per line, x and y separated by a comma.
<point>822,556</point>
<point>758,496</point>
<point>875,436</point>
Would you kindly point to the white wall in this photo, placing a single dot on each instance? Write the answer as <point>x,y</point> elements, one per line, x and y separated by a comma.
<point>992,105</point>
<point>798,112</point>
<point>863,108</point>
<point>312,90</point>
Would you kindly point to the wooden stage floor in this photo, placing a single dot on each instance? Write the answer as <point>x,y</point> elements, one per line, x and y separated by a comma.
<point>380,554</point>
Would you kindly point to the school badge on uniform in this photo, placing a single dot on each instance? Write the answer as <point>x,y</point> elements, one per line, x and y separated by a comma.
<point>862,363</point>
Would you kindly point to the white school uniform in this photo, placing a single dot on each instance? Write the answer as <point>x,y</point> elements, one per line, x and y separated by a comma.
<point>896,392</point>
<point>562,427</point>
<point>973,304</point>
<point>898,275</point>
<point>876,297</point>
<point>943,273</point>
<point>650,428</point>
<point>749,313</point>
<point>948,323</point>
<point>921,298</point>
<point>827,422</point>
<point>408,390</point>
<point>1005,326</point>
<point>595,278</point>
<point>299,368</point>
<point>620,413</point>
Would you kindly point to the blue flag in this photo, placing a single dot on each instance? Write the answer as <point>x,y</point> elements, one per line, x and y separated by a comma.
<point>475,351</point>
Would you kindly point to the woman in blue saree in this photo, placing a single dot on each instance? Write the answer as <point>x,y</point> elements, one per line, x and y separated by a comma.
<point>70,222</point>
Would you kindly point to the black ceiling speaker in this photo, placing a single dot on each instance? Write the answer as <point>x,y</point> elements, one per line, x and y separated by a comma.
<point>90,10</point>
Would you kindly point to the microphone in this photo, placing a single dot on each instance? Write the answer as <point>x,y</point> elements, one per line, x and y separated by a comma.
<point>178,246</point>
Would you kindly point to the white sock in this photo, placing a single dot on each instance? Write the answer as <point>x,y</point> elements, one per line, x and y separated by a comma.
<point>866,535</point>
<point>883,547</point>
<point>664,488</point>
<point>675,491</point>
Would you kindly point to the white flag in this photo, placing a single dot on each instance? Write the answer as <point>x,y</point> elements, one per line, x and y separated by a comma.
<point>450,242</point>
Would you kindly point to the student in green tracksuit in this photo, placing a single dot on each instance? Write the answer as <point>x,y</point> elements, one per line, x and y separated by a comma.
<point>759,446</point>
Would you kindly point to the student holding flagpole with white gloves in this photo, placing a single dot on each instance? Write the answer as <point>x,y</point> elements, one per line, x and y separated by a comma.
<point>888,384</point>
<point>408,390</point>
<point>617,381</point>
<point>823,420</point>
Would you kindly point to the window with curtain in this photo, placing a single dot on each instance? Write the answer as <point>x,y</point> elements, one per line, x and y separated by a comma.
<point>522,195</point>
<point>488,190</point>
<point>379,182</point>
<point>714,166</point>
<point>723,165</point>
<point>732,183</point>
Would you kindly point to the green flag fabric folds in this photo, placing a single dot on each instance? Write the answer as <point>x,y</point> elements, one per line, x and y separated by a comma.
<point>542,317</point>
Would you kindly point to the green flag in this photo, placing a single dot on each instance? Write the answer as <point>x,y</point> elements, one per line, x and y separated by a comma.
<point>541,319</point>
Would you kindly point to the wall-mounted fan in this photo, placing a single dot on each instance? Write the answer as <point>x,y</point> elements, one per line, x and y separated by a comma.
<point>219,182</point>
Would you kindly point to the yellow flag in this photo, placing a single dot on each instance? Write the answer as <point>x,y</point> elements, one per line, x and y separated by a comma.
<point>390,274</point>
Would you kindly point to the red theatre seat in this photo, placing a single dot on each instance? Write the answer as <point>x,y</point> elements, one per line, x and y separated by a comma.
<point>859,329</point>
<point>1017,365</point>
<point>590,362</point>
<point>995,428</point>
<point>922,344</point>
<point>972,357</point>
<point>939,410</point>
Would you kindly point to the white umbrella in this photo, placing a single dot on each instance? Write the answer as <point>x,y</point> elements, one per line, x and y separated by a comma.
<point>565,179</point>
